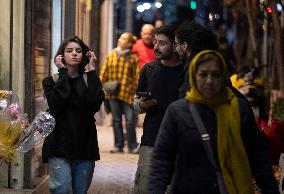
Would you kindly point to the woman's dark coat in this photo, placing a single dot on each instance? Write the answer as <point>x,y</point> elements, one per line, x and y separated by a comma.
<point>73,103</point>
<point>179,142</point>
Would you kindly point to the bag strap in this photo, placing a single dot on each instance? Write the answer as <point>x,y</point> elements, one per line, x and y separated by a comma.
<point>207,146</point>
<point>55,77</point>
<point>204,134</point>
<point>85,78</point>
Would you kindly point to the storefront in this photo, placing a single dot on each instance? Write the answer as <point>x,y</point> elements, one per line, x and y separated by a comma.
<point>30,33</point>
<point>12,68</point>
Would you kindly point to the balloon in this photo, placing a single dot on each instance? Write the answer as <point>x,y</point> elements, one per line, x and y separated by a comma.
<point>40,128</point>
<point>15,132</point>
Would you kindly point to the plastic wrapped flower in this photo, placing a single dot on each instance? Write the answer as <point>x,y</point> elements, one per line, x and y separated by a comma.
<point>15,132</point>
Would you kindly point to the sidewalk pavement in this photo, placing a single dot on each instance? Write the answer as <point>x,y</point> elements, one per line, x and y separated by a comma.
<point>114,173</point>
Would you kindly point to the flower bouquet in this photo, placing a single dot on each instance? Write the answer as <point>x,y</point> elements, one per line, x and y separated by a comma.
<point>15,132</point>
<point>274,134</point>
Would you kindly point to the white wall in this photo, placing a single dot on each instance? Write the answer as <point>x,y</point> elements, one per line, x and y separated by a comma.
<point>106,35</point>
<point>18,66</point>
<point>4,44</point>
<point>18,73</point>
<point>56,31</point>
<point>106,45</point>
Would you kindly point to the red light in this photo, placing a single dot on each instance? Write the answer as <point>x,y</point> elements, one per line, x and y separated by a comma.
<point>269,10</point>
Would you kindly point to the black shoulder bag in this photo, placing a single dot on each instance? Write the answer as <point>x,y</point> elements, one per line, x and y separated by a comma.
<point>207,146</point>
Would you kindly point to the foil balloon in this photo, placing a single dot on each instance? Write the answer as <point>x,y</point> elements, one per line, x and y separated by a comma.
<point>40,128</point>
<point>15,132</point>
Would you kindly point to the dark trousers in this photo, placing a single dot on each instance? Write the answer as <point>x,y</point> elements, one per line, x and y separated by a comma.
<point>118,108</point>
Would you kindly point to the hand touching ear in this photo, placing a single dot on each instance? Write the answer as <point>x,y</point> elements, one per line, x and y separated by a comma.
<point>58,61</point>
<point>92,59</point>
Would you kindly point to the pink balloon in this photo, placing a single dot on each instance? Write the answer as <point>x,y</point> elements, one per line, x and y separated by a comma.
<point>14,111</point>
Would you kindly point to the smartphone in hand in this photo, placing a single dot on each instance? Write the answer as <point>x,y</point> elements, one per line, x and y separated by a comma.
<point>145,95</point>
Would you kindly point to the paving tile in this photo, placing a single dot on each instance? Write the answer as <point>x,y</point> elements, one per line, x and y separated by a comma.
<point>114,173</point>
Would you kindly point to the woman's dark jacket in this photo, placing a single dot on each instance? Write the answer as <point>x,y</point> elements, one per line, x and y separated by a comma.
<point>73,103</point>
<point>179,142</point>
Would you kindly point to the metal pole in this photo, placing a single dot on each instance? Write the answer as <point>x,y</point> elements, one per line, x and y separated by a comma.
<point>264,46</point>
<point>11,46</point>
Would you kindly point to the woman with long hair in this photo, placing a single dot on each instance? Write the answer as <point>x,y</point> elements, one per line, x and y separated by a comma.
<point>73,98</point>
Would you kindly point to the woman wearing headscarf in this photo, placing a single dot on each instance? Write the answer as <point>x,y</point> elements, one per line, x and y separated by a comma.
<point>238,147</point>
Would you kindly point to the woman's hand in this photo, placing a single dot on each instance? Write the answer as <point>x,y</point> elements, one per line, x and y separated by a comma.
<point>92,59</point>
<point>58,61</point>
<point>145,104</point>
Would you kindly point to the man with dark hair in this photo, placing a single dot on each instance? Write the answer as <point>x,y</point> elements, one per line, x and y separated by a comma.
<point>161,80</point>
<point>228,53</point>
<point>191,38</point>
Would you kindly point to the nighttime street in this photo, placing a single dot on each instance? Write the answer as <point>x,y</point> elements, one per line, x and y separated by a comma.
<point>142,96</point>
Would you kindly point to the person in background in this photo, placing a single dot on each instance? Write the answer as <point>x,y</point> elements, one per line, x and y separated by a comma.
<point>251,83</point>
<point>121,65</point>
<point>72,148</point>
<point>161,79</point>
<point>238,148</point>
<point>191,38</point>
<point>228,52</point>
<point>144,47</point>
<point>159,23</point>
